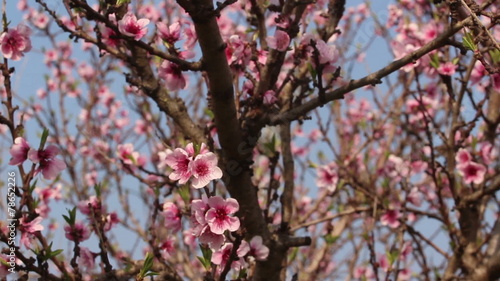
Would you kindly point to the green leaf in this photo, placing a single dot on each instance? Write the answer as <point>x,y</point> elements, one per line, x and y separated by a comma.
<point>45,135</point>
<point>434,60</point>
<point>72,216</point>
<point>184,192</point>
<point>330,239</point>
<point>54,253</point>
<point>146,269</point>
<point>204,262</point>
<point>33,186</point>
<point>97,189</point>
<point>468,41</point>
<point>495,56</point>
<point>206,258</point>
<point>312,70</point>
<point>392,256</point>
<point>209,113</point>
<point>122,2</point>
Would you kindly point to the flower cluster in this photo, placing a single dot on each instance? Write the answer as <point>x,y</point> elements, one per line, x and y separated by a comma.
<point>129,25</point>
<point>211,217</point>
<point>187,163</point>
<point>471,171</point>
<point>255,250</point>
<point>16,42</point>
<point>48,164</point>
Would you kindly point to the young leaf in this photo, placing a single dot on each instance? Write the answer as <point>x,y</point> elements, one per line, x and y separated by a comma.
<point>468,41</point>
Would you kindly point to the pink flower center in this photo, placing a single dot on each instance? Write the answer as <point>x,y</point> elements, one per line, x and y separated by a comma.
<point>202,170</point>
<point>220,214</point>
<point>15,42</point>
<point>471,170</point>
<point>133,28</point>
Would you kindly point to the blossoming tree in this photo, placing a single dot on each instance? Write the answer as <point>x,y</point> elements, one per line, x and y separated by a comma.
<point>252,140</point>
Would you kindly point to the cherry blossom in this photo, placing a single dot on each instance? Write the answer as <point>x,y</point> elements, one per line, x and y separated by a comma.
<point>391,218</point>
<point>111,220</point>
<point>78,232</point>
<point>472,172</point>
<point>327,177</point>
<point>258,249</point>
<point>92,205</point>
<point>19,151</point>
<point>172,216</point>
<point>169,34</point>
<point>173,76</point>
<point>179,161</point>
<point>204,169</point>
<point>87,258</point>
<point>269,97</point>
<point>130,26</point>
<point>221,257</point>
<point>28,229</point>
<point>218,215</point>
<point>127,154</point>
<point>16,42</point>
<point>49,165</point>
<point>447,68</point>
<point>279,41</point>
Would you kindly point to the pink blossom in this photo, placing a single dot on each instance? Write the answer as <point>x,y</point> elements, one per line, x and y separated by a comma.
<point>130,26</point>
<point>172,74</point>
<point>463,156</point>
<point>19,151</point>
<point>168,247</point>
<point>397,167</point>
<point>204,169</point>
<point>127,154</point>
<point>327,177</point>
<point>472,172</point>
<point>86,258</point>
<point>221,257</point>
<point>5,264</point>
<point>16,42</point>
<point>478,72</point>
<point>169,34</point>
<point>111,220</point>
<point>191,151</point>
<point>384,263</point>
<point>269,97</point>
<point>391,218</point>
<point>172,216</point>
<point>22,5</point>
<point>49,165</point>
<point>49,193</point>
<point>415,197</point>
<point>214,241</point>
<point>488,152</point>
<point>86,71</point>
<point>40,20</point>
<point>327,53</point>
<point>218,216</point>
<point>279,41</point>
<point>79,232</point>
<point>258,249</point>
<point>150,11</point>
<point>361,272</point>
<point>179,161</point>
<point>91,205</point>
<point>109,37</point>
<point>447,68</point>
<point>28,229</point>
<point>191,36</point>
